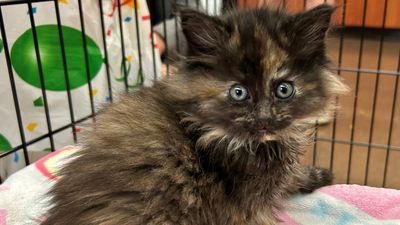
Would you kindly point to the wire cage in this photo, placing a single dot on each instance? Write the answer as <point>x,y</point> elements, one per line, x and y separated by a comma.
<point>360,145</point>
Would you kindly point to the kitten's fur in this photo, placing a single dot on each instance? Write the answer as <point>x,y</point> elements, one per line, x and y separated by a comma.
<point>182,152</point>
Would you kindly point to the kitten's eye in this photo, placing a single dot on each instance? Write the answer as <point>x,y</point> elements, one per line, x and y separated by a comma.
<point>284,90</point>
<point>238,93</point>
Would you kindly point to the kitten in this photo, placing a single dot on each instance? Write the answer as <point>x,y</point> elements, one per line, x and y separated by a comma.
<point>219,142</point>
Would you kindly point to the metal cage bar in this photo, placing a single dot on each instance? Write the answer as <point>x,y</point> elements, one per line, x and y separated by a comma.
<point>86,54</point>
<point>138,39</point>
<point>153,53</point>
<point>392,114</point>
<point>41,75</point>
<point>340,58</point>
<point>121,30</point>
<point>376,88</point>
<point>107,63</point>
<point>66,75</point>
<point>13,90</point>
<point>360,56</point>
<point>166,52</point>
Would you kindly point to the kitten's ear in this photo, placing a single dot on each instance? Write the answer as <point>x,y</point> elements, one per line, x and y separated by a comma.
<point>306,31</point>
<point>203,33</point>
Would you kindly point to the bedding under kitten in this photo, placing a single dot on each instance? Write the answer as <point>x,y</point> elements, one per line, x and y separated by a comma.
<point>217,143</point>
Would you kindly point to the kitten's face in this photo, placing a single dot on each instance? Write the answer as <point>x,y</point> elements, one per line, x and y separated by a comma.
<point>257,75</point>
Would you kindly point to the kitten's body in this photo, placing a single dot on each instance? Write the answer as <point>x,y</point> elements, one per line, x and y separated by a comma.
<point>182,153</point>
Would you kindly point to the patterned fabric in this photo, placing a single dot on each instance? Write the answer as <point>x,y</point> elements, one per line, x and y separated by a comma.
<point>23,200</point>
<point>25,68</point>
<point>344,205</point>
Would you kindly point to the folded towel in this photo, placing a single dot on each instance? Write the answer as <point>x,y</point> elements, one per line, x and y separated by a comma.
<point>23,200</point>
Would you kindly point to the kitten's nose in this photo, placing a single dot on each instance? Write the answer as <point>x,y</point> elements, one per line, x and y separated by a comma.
<point>264,110</point>
<point>264,114</point>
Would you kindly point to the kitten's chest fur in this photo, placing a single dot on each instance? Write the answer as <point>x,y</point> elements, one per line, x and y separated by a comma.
<point>242,188</point>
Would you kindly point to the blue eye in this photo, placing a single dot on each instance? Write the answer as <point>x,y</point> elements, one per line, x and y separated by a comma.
<point>284,90</point>
<point>238,93</point>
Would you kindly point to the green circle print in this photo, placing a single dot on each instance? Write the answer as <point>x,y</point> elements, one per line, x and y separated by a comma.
<point>24,60</point>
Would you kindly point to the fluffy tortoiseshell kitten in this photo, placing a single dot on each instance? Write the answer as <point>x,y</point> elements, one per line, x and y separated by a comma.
<point>217,143</point>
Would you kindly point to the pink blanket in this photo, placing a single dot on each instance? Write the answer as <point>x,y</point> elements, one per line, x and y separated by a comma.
<point>344,205</point>
<point>23,200</point>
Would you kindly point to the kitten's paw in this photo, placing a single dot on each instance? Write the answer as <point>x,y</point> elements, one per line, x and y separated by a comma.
<point>318,177</point>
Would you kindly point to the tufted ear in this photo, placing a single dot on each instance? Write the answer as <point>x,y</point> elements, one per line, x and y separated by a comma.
<point>204,33</point>
<point>306,31</point>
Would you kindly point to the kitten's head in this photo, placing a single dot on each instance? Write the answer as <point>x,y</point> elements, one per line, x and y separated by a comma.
<point>255,75</point>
